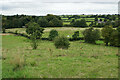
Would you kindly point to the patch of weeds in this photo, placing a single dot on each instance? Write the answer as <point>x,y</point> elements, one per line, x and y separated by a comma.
<point>18,61</point>
<point>33,63</point>
<point>95,56</point>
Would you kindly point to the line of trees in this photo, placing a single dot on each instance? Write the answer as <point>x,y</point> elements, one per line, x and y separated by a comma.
<point>19,21</point>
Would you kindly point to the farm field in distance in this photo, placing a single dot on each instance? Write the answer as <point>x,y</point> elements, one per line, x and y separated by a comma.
<point>80,60</point>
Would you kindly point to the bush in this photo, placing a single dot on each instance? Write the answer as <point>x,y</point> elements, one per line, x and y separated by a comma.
<point>61,42</point>
<point>91,35</point>
<point>53,34</point>
<point>75,36</point>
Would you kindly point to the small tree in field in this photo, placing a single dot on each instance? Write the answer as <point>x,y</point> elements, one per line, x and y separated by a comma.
<point>61,42</point>
<point>53,34</point>
<point>34,28</point>
<point>34,43</point>
<point>91,35</point>
<point>75,36</point>
<point>35,31</point>
<point>106,33</point>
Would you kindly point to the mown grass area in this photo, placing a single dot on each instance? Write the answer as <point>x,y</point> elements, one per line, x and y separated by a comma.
<point>81,60</point>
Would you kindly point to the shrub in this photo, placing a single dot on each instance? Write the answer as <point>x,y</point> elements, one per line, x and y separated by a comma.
<point>75,36</point>
<point>61,42</point>
<point>53,34</point>
<point>91,35</point>
<point>106,33</point>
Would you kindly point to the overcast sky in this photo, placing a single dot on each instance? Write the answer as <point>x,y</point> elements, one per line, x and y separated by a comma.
<point>58,7</point>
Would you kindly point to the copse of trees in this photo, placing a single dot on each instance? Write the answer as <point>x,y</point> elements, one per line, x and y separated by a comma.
<point>79,23</point>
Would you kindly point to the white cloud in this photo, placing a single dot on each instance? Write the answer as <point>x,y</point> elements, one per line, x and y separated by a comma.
<point>40,7</point>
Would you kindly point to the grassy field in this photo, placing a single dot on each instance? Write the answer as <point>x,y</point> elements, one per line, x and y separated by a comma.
<point>81,60</point>
<point>62,31</point>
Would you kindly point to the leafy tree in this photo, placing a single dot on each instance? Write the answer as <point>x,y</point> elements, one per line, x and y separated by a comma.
<point>34,28</point>
<point>61,42</point>
<point>57,23</point>
<point>106,33</point>
<point>51,24</point>
<point>91,35</point>
<point>53,34</point>
<point>42,22</point>
<point>114,39</point>
<point>35,31</point>
<point>81,23</point>
<point>50,17</point>
<point>75,36</point>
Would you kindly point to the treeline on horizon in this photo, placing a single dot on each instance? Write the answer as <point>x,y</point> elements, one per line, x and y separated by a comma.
<point>50,20</point>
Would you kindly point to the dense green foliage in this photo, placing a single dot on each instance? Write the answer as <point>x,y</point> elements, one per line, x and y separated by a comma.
<point>106,33</point>
<point>43,22</point>
<point>3,30</point>
<point>53,33</point>
<point>91,35</point>
<point>19,21</point>
<point>35,31</point>
<point>34,28</point>
<point>61,42</point>
<point>81,23</point>
<point>115,38</point>
<point>75,36</point>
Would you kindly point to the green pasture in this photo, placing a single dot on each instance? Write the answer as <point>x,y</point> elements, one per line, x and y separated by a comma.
<point>80,60</point>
